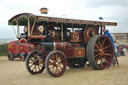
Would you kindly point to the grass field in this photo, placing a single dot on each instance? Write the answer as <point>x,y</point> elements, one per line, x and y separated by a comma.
<point>3,51</point>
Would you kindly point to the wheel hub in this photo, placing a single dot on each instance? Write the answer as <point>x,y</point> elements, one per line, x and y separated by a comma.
<point>101,52</point>
<point>36,62</point>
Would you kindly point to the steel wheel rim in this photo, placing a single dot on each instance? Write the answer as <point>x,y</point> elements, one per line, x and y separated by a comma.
<point>103,52</point>
<point>56,64</point>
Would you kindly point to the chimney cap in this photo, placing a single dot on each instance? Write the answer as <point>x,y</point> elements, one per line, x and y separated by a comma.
<point>44,10</point>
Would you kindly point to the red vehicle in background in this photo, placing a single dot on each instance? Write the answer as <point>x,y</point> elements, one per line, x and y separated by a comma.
<point>18,49</point>
<point>121,50</point>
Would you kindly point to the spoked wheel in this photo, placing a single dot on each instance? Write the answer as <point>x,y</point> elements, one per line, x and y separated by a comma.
<point>10,56</point>
<point>89,31</point>
<point>55,63</point>
<point>77,62</point>
<point>34,63</point>
<point>99,52</point>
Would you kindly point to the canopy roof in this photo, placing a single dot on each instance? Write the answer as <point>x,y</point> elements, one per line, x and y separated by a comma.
<point>23,18</point>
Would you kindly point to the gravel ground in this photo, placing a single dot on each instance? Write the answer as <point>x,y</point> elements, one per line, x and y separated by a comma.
<point>15,73</point>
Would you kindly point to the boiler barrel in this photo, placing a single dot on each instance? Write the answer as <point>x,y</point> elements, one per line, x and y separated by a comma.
<point>49,46</point>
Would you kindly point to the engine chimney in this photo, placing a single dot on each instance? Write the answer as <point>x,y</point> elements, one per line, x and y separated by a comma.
<point>44,10</point>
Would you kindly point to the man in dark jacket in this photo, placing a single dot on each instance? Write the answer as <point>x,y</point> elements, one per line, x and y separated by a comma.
<point>106,32</point>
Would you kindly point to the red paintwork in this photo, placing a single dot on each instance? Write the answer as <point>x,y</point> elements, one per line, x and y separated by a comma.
<point>122,46</point>
<point>61,46</point>
<point>69,52</point>
<point>18,46</point>
<point>73,52</point>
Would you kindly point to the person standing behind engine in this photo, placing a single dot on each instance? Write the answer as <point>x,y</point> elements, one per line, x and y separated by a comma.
<point>106,32</point>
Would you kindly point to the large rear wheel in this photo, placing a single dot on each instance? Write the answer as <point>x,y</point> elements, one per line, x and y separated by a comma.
<point>55,63</point>
<point>99,52</point>
<point>34,63</point>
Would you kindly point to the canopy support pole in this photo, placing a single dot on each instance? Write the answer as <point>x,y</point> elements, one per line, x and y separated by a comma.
<point>17,30</point>
<point>33,25</point>
<point>62,38</point>
<point>28,27</point>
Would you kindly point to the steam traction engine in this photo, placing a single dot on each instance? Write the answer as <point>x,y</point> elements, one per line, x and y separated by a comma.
<point>59,42</point>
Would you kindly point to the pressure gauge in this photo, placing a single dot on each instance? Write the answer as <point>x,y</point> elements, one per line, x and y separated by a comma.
<point>41,28</point>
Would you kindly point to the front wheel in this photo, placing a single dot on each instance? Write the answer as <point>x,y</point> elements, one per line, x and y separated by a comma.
<point>34,63</point>
<point>99,52</point>
<point>10,56</point>
<point>55,63</point>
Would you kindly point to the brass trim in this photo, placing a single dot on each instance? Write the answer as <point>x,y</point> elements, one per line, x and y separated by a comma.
<point>54,46</point>
<point>63,46</point>
<point>75,36</point>
<point>43,18</point>
<point>28,27</point>
<point>75,41</point>
<point>62,32</point>
<point>33,25</point>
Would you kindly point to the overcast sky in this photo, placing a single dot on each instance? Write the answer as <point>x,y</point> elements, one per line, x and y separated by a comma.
<point>110,10</point>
